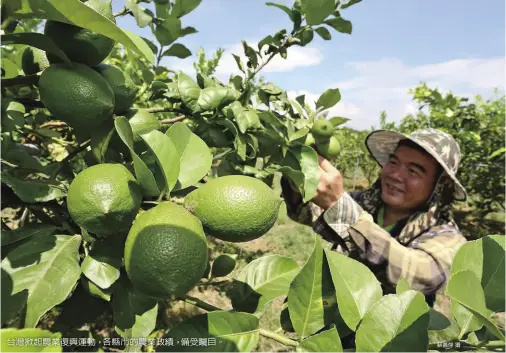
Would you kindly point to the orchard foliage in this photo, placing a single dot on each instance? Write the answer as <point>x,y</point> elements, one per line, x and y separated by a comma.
<point>244,126</point>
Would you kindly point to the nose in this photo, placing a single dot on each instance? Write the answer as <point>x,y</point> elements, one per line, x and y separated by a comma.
<point>396,174</point>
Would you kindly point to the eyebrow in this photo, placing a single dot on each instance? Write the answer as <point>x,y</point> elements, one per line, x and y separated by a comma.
<point>416,165</point>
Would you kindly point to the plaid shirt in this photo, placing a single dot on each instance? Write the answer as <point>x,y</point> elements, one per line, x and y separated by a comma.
<point>422,256</point>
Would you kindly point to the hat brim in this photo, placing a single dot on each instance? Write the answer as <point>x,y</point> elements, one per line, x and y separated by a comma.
<point>382,143</point>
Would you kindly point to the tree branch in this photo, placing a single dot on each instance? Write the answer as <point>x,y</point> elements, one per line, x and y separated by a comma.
<point>20,80</point>
<point>173,120</point>
<point>165,109</point>
<point>54,124</point>
<point>200,303</point>
<point>71,155</point>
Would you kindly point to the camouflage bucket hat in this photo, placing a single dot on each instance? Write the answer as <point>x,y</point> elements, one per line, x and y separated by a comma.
<point>438,144</point>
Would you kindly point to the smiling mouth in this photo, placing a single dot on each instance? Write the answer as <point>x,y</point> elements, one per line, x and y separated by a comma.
<point>391,187</point>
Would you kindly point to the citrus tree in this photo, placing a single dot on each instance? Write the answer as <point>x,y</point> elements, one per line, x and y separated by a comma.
<point>108,155</point>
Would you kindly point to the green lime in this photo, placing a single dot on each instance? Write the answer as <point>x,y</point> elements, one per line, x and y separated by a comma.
<point>80,44</point>
<point>166,251</point>
<point>77,95</point>
<point>234,208</point>
<point>104,199</point>
<point>322,128</point>
<point>123,87</point>
<point>330,148</point>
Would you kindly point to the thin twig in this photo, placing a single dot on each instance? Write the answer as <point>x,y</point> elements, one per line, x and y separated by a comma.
<point>71,155</point>
<point>173,120</point>
<point>200,303</point>
<point>123,12</point>
<point>165,109</point>
<point>54,124</point>
<point>20,80</point>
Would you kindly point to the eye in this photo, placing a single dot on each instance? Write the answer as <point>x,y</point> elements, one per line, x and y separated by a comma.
<point>413,171</point>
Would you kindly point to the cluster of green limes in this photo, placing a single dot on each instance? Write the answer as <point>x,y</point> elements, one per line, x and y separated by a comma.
<point>322,135</point>
<point>88,93</point>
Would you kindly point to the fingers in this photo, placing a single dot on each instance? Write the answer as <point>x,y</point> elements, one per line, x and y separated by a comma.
<point>325,164</point>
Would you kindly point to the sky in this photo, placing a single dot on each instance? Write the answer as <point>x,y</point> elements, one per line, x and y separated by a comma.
<point>452,45</point>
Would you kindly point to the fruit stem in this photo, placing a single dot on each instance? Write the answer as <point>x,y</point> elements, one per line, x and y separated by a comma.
<point>122,12</point>
<point>173,120</point>
<point>20,80</point>
<point>281,339</point>
<point>201,304</point>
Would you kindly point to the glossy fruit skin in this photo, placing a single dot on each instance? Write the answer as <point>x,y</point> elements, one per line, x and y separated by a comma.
<point>122,86</point>
<point>80,44</point>
<point>330,148</point>
<point>322,128</point>
<point>141,122</point>
<point>104,199</point>
<point>234,208</point>
<point>166,251</point>
<point>77,95</point>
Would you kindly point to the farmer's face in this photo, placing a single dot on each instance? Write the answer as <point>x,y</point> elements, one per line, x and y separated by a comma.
<point>407,179</point>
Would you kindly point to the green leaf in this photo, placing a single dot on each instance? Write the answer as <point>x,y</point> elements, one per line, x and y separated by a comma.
<point>14,116</point>
<point>194,156</point>
<point>305,304</point>
<point>31,190</point>
<point>250,54</point>
<point>99,141</point>
<point>324,33</point>
<point>340,24</point>
<point>188,90</point>
<point>485,257</point>
<point>283,8</point>
<point>398,322</point>
<point>239,63</point>
<point>357,289</point>
<point>328,99</point>
<point>246,119</point>
<point>498,152</point>
<point>142,173</point>
<point>166,155</point>
<point>95,290</point>
<point>77,13</point>
<point>271,88</point>
<point>299,134</point>
<point>223,265</point>
<point>308,161</point>
<point>35,271</point>
<point>142,18</point>
<point>36,337</point>
<point>467,321</point>
<point>317,11</point>
<point>464,287</point>
<point>402,286</point>
<point>29,230</point>
<point>102,265</point>
<point>437,320</point>
<point>212,98</point>
<point>230,332</point>
<point>262,281</point>
<point>184,7</point>
<point>9,68</point>
<point>266,41</point>
<point>178,50</point>
<point>325,341</point>
<point>134,313</point>
<point>187,30</point>
<point>350,3</point>
<point>36,40</point>
<point>168,31</point>
<point>337,120</point>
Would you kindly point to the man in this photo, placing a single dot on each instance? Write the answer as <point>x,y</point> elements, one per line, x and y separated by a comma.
<point>402,226</point>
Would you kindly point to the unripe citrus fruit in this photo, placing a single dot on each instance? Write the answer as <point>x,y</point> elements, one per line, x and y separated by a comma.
<point>77,95</point>
<point>142,122</point>
<point>104,199</point>
<point>82,45</point>
<point>330,148</point>
<point>165,251</point>
<point>33,60</point>
<point>322,128</point>
<point>224,265</point>
<point>234,208</point>
<point>123,87</point>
